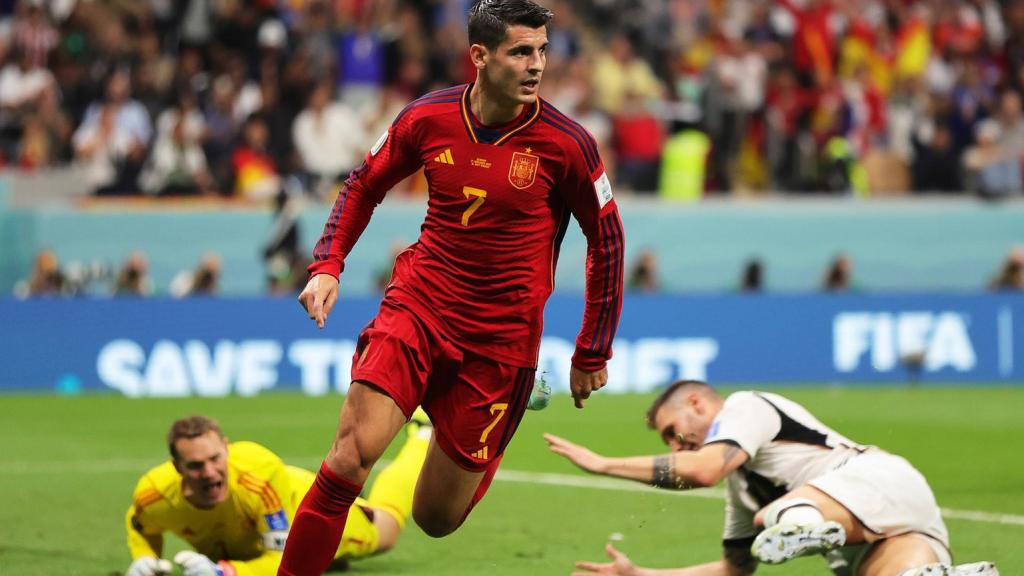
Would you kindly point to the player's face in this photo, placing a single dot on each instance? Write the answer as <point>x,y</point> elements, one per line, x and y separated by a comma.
<point>203,464</point>
<point>515,67</point>
<point>680,426</point>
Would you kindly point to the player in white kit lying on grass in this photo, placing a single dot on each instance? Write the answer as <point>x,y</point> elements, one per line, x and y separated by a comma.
<point>794,487</point>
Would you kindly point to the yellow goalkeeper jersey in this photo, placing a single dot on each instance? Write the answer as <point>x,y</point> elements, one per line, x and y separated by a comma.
<point>246,532</point>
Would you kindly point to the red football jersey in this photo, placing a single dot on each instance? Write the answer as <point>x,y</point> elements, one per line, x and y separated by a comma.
<point>500,198</point>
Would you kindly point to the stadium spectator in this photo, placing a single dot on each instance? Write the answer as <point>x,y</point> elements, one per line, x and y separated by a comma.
<point>204,280</point>
<point>683,175</point>
<point>1011,122</point>
<point>22,87</point>
<point>1010,276</point>
<point>255,173</point>
<point>643,274</point>
<point>752,279</point>
<point>221,128</point>
<point>735,92</point>
<point>112,141</point>
<point>177,165</point>
<point>33,33</point>
<point>476,364</point>
<point>234,503</point>
<point>839,275</point>
<point>45,133</point>
<point>284,261</point>
<point>992,170</point>
<point>360,59</point>
<point>794,487</point>
<point>936,165</point>
<point>133,277</point>
<point>619,71</point>
<point>638,137</point>
<point>45,279</point>
<point>329,137</point>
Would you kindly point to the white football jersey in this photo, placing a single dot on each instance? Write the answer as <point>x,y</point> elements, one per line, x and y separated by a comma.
<point>787,447</point>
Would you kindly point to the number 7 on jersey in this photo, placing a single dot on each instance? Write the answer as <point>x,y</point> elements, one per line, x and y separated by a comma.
<point>469,192</point>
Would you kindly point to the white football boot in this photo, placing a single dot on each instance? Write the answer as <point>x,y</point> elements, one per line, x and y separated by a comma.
<point>783,542</point>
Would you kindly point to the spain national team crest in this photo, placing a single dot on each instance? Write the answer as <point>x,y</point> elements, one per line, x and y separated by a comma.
<point>523,170</point>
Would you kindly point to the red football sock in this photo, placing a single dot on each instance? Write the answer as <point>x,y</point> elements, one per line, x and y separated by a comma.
<point>319,522</point>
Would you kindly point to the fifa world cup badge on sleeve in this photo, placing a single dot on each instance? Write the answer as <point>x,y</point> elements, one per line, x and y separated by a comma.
<point>277,521</point>
<point>603,189</point>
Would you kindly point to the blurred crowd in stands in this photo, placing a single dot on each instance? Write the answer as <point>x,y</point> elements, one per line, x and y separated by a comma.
<point>233,98</point>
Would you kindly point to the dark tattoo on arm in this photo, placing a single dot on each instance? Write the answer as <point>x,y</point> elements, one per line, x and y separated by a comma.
<point>664,474</point>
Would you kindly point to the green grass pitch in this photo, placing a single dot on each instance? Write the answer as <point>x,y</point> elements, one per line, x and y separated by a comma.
<point>69,465</point>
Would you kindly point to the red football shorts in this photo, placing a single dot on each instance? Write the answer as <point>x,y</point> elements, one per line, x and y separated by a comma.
<point>474,402</point>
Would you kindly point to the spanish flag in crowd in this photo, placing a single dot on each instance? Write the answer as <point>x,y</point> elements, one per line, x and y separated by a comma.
<point>914,48</point>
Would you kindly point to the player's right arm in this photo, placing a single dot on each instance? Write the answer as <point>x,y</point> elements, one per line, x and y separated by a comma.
<point>145,536</point>
<point>393,158</point>
<point>675,470</point>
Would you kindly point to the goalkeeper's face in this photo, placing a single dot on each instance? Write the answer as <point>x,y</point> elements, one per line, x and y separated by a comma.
<point>203,464</point>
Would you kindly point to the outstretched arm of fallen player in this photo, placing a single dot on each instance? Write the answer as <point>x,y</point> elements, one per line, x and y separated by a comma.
<point>675,470</point>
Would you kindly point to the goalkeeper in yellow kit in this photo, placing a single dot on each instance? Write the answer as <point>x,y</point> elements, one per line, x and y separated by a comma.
<point>234,503</point>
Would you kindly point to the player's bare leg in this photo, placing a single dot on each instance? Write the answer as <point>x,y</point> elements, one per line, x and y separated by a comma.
<point>896,554</point>
<point>368,422</point>
<point>830,510</point>
<point>443,494</point>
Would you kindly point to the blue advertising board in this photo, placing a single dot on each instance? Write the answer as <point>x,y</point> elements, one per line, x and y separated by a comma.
<point>220,346</point>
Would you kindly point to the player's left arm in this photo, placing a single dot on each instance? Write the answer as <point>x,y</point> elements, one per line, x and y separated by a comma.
<point>589,197</point>
<point>675,470</point>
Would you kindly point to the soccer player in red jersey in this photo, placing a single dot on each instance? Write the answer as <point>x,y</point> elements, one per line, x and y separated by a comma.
<point>459,327</point>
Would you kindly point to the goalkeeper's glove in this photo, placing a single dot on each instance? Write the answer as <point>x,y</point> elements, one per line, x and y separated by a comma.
<point>195,564</point>
<point>149,566</point>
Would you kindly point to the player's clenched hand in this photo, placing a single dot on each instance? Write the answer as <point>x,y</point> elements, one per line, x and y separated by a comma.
<point>149,566</point>
<point>578,455</point>
<point>619,566</point>
<point>583,383</point>
<point>195,564</point>
<point>319,297</point>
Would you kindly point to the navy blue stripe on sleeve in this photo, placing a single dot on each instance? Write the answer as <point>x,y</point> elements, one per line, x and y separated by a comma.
<point>608,320</point>
<point>587,139</point>
<point>591,158</point>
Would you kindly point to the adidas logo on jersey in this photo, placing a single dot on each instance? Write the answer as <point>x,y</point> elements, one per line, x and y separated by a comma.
<point>445,157</point>
<point>480,454</point>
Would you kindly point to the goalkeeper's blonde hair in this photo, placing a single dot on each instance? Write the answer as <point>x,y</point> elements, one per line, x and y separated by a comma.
<point>190,427</point>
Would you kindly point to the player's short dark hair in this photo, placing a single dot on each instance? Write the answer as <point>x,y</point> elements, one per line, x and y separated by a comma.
<point>190,427</point>
<point>679,386</point>
<point>489,19</point>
